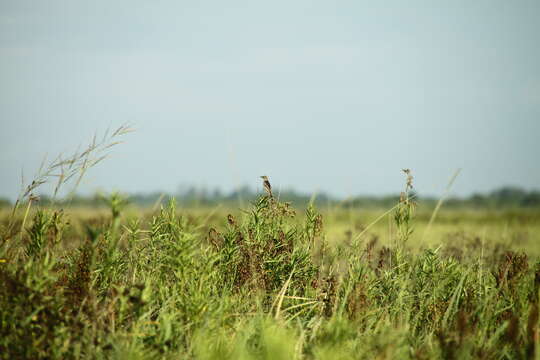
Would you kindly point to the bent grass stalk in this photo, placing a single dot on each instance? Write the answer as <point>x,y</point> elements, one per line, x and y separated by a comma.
<point>439,203</point>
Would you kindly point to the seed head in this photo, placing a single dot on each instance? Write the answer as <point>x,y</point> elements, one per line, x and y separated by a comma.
<point>409,184</point>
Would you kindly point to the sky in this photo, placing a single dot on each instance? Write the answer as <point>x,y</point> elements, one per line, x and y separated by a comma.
<point>333,96</point>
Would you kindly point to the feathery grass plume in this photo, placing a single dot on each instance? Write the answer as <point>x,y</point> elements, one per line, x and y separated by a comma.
<point>65,169</point>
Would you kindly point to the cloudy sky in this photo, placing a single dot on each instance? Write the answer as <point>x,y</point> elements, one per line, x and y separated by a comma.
<point>335,96</point>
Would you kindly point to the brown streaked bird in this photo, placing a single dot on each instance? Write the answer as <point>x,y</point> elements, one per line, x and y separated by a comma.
<point>267,186</point>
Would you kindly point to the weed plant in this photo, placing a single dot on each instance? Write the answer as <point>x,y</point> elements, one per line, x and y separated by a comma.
<point>267,284</point>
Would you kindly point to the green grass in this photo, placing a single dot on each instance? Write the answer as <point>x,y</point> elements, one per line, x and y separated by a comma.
<point>268,282</point>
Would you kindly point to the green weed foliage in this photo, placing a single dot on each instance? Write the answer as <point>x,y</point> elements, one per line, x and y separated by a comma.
<point>265,284</point>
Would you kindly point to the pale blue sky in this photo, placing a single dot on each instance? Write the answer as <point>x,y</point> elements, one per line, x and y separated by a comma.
<point>335,96</point>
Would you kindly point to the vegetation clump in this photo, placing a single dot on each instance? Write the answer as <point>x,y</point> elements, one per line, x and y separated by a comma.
<point>268,283</point>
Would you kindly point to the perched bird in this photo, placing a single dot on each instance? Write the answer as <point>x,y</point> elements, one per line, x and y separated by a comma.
<point>267,186</point>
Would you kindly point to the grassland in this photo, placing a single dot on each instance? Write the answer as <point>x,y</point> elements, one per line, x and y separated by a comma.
<point>268,281</point>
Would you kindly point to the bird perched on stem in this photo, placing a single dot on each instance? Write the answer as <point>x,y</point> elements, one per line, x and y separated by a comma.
<point>267,186</point>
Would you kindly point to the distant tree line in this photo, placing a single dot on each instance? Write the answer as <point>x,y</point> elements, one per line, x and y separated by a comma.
<point>506,197</point>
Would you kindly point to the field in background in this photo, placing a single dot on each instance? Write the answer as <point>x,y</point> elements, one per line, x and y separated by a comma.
<point>269,281</point>
<point>518,229</point>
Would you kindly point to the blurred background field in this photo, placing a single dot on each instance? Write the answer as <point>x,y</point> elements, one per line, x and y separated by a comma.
<point>516,228</point>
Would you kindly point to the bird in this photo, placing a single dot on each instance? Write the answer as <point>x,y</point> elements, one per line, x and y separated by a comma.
<point>267,186</point>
